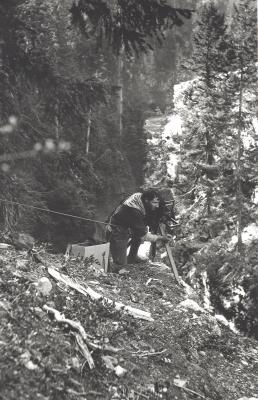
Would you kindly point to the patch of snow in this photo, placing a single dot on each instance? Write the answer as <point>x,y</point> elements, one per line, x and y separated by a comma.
<point>206,298</point>
<point>172,165</point>
<point>226,304</point>
<point>248,398</point>
<point>250,233</point>
<point>248,140</point>
<point>255,200</point>
<point>189,291</point>
<point>178,93</point>
<point>225,322</point>
<point>191,272</point>
<point>174,126</point>
<point>160,265</point>
<point>239,290</point>
<point>192,305</point>
<point>255,124</point>
<point>144,250</point>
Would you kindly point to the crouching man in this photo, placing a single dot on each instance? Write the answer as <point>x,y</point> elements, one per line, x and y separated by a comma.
<point>129,220</point>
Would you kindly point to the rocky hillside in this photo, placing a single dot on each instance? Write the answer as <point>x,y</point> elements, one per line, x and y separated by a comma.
<point>161,345</point>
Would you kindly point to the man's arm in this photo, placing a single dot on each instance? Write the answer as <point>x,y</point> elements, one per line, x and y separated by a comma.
<point>140,230</point>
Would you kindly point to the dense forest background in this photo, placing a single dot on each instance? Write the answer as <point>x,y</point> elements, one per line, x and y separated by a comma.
<point>78,81</point>
<point>217,168</point>
<point>66,144</point>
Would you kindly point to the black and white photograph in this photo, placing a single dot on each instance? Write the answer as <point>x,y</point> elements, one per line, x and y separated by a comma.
<point>128,200</point>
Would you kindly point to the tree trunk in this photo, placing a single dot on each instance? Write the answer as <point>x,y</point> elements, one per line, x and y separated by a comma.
<point>209,146</point>
<point>239,194</point>
<point>120,92</point>
<point>1,52</point>
<point>209,161</point>
<point>230,8</point>
<point>87,141</point>
<point>57,124</point>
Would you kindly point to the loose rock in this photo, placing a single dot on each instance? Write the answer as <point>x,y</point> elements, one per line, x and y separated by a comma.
<point>44,286</point>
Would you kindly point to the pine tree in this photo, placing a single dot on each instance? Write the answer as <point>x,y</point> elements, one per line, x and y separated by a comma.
<point>204,104</point>
<point>127,24</point>
<point>241,87</point>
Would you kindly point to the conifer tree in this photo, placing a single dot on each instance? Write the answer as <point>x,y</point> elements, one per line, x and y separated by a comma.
<point>219,149</point>
<point>204,103</point>
<point>129,27</point>
<point>241,86</point>
<point>127,24</point>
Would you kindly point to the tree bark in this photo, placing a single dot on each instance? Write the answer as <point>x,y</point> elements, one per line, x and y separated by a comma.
<point>230,7</point>
<point>57,124</point>
<point>239,194</point>
<point>1,52</point>
<point>209,162</point>
<point>120,92</point>
<point>87,141</point>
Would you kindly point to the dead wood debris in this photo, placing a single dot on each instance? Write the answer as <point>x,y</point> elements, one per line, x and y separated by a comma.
<point>189,390</point>
<point>60,318</point>
<point>85,351</point>
<point>82,394</point>
<point>81,336</point>
<point>87,291</point>
<point>140,353</point>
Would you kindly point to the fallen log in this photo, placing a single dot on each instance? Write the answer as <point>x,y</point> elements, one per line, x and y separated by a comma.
<point>78,327</point>
<point>61,318</point>
<point>85,351</point>
<point>79,336</point>
<point>87,291</point>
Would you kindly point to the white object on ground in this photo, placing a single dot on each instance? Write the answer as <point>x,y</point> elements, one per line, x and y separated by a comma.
<point>44,286</point>
<point>192,305</point>
<point>4,246</point>
<point>87,291</point>
<point>144,250</point>
<point>99,252</point>
<point>249,234</point>
<point>120,371</point>
<point>248,398</point>
<point>159,265</point>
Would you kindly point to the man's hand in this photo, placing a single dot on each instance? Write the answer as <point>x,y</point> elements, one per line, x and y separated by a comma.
<point>164,239</point>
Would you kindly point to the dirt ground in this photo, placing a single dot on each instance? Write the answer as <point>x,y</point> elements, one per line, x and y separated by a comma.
<point>184,353</point>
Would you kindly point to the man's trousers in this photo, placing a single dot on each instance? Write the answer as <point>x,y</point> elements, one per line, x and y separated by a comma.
<point>119,241</point>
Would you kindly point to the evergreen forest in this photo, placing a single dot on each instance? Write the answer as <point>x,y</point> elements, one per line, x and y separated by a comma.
<point>101,99</point>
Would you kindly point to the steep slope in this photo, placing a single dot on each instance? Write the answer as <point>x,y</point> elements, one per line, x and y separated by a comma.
<point>183,353</point>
